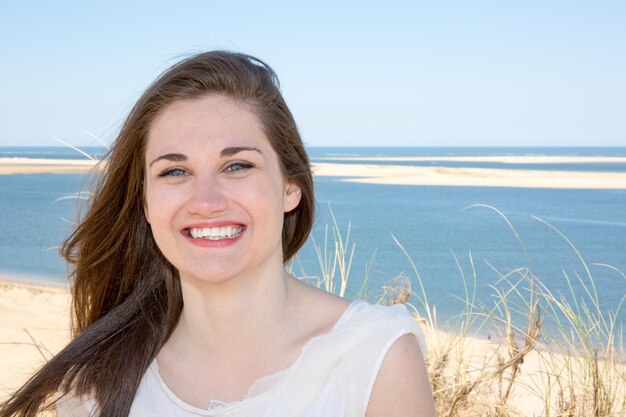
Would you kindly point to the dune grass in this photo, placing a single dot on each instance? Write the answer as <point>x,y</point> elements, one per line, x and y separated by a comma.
<point>573,368</point>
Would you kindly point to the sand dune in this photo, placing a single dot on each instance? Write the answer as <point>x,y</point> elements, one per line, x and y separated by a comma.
<point>34,324</point>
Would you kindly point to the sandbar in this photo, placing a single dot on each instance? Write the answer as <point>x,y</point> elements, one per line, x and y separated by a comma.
<point>403,174</point>
<point>45,166</point>
<point>470,177</point>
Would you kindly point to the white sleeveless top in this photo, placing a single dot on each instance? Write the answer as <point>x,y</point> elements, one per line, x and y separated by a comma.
<point>332,377</point>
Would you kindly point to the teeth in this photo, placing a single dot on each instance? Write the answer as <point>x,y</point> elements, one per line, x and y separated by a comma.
<point>216,233</point>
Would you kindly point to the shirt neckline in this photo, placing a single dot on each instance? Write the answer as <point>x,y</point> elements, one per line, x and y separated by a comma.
<point>218,406</point>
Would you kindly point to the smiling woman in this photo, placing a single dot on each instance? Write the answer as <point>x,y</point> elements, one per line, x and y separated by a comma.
<point>181,303</point>
<point>227,178</point>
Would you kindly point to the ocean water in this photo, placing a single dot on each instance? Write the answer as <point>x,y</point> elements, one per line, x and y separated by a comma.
<point>373,151</point>
<point>329,154</point>
<point>51,152</point>
<point>448,232</point>
<point>335,154</point>
<point>570,166</point>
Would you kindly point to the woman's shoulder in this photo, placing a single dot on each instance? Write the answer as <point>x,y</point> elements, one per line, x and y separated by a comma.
<point>373,333</point>
<point>325,312</point>
<point>354,349</point>
<point>367,321</point>
<point>316,310</point>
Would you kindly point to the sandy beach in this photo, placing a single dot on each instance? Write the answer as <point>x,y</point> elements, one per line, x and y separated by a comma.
<point>35,324</point>
<point>404,175</point>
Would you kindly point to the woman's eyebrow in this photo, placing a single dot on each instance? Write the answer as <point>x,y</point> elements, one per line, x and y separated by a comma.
<point>176,157</point>
<point>230,151</point>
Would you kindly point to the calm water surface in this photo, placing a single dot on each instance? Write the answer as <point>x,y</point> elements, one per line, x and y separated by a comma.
<point>444,238</point>
<point>434,224</point>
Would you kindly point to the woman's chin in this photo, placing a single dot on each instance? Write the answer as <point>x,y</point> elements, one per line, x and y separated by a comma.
<point>208,279</point>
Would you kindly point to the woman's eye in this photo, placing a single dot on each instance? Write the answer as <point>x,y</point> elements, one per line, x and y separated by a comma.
<point>173,172</point>
<point>238,166</point>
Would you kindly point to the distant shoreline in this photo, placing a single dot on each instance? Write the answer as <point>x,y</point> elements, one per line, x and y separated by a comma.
<point>403,174</point>
<point>10,166</point>
<point>513,159</point>
<point>471,177</point>
<point>33,280</point>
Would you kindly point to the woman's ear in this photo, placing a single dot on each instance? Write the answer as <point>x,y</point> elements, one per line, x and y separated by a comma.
<point>145,212</point>
<point>292,196</point>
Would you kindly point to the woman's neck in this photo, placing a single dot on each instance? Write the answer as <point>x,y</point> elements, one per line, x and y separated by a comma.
<point>228,319</point>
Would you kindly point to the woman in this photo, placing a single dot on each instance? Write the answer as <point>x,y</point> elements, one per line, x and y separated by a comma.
<point>181,304</point>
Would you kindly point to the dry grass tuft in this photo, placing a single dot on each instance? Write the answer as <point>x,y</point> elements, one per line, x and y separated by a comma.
<point>577,370</point>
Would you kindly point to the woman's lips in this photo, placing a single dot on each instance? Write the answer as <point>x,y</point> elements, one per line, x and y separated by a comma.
<point>214,234</point>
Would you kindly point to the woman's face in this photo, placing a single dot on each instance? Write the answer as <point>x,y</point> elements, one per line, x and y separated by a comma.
<point>215,194</point>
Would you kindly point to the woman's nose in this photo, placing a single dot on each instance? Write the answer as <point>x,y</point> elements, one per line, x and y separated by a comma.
<point>208,197</point>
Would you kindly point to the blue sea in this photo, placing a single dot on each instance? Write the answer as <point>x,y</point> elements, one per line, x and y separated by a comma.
<point>448,233</point>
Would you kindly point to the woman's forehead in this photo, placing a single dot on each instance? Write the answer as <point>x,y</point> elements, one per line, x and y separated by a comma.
<point>211,123</point>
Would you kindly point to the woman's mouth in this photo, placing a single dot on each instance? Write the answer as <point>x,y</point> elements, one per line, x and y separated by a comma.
<point>214,233</point>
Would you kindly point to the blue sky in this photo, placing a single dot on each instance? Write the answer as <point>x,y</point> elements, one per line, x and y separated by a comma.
<point>409,73</point>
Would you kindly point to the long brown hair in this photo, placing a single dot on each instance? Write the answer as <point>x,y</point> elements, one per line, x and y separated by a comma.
<point>126,296</point>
